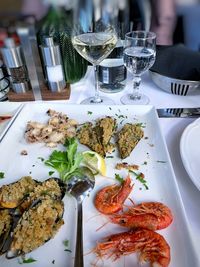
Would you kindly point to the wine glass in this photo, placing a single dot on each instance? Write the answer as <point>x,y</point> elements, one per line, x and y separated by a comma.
<point>139,56</point>
<point>94,36</point>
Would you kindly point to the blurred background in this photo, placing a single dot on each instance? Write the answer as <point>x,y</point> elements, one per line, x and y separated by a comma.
<point>182,17</point>
<point>35,40</point>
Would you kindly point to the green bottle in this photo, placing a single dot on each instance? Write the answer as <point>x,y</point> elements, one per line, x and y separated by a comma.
<point>58,24</point>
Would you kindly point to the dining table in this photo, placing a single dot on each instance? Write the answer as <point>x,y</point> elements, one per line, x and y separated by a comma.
<point>172,129</point>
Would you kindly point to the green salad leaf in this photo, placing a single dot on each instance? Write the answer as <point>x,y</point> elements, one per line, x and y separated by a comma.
<point>29,260</point>
<point>2,175</point>
<point>67,162</point>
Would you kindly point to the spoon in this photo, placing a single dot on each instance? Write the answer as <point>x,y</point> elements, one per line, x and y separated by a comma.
<point>80,187</point>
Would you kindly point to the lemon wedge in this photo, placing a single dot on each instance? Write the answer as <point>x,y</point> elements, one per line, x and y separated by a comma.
<point>94,161</point>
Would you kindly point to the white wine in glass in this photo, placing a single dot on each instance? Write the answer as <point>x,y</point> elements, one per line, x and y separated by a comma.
<point>95,36</point>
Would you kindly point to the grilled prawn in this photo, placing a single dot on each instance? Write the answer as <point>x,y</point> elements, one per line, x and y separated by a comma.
<point>110,199</point>
<point>149,215</point>
<point>151,246</point>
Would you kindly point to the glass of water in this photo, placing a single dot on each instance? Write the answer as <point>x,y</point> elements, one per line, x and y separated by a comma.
<point>139,55</point>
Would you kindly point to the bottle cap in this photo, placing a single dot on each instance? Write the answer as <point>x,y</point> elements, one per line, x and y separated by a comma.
<point>12,54</point>
<point>51,52</point>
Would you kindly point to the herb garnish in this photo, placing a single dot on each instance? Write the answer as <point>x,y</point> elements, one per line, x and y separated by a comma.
<point>161,161</point>
<point>140,178</point>
<point>89,112</point>
<point>66,163</point>
<point>66,244</point>
<point>51,173</point>
<point>119,178</point>
<point>109,157</point>
<point>29,260</point>
<point>2,175</point>
<point>140,125</point>
<point>42,159</point>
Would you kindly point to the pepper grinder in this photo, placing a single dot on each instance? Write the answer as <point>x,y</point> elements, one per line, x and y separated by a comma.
<point>53,65</point>
<point>13,59</point>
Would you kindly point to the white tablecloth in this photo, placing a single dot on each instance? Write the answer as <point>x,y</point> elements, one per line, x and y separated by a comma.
<point>172,130</point>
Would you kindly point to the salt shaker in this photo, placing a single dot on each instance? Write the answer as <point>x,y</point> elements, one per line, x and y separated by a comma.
<point>53,65</point>
<point>14,61</point>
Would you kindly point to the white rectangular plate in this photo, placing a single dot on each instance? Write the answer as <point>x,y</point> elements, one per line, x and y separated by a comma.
<point>158,173</point>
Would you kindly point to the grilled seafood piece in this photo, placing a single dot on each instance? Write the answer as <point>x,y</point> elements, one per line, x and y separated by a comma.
<point>36,226</point>
<point>55,131</point>
<point>151,246</point>
<point>149,215</point>
<point>97,137</point>
<point>105,128</point>
<point>88,136</point>
<point>128,138</point>
<point>110,199</point>
<point>12,195</point>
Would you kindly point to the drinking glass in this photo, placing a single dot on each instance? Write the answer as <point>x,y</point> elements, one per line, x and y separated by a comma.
<point>139,56</point>
<point>94,36</point>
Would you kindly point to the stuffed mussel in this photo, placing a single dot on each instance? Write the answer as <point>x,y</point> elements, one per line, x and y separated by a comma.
<point>37,225</point>
<point>30,214</point>
<point>11,195</point>
<point>52,188</point>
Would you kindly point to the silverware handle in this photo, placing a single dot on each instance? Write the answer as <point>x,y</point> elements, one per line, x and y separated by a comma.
<point>78,262</point>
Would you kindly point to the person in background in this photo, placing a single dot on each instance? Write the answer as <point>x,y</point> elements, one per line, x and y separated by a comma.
<point>39,8</point>
<point>163,20</point>
<point>36,8</point>
<point>158,16</point>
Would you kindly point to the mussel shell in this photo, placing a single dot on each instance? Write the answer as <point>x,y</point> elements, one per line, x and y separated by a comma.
<point>52,224</point>
<point>3,240</point>
<point>6,237</point>
<point>13,254</point>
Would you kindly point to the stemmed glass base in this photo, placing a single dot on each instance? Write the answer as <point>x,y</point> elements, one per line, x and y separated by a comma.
<point>100,101</point>
<point>97,99</point>
<point>138,99</point>
<point>135,98</point>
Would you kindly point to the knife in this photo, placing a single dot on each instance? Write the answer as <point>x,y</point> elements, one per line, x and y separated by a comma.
<point>179,112</point>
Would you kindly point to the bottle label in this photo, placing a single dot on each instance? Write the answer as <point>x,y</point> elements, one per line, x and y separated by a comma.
<point>112,71</point>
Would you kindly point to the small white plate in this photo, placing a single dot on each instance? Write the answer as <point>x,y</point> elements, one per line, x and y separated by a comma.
<point>8,109</point>
<point>190,151</point>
